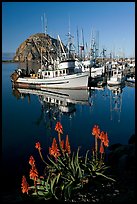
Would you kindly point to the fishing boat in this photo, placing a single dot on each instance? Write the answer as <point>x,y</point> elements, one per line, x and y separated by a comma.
<point>54,77</point>
<point>58,73</point>
<point>116,77</point>
<point>131,79</point>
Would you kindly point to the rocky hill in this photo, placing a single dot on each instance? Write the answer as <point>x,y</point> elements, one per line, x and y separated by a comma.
<point>30,49</point>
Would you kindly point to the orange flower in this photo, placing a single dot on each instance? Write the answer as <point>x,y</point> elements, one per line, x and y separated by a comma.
<point>32,161</point>
<point>67,145</point>
<point>96,131</point>
<point>101,148</point>
<point>102,136</point>
<point>59,127</point>
<point>24,185</point>
<point>33,173</point>
<point>53,150</point>
<point>38,146</point>
<point>106,141</point>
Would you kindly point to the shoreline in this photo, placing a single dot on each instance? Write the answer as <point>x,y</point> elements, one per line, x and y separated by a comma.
<point>8,61</point>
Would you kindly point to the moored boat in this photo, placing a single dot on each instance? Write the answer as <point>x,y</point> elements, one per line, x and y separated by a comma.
<point>60,72</point>
<point>116,77</point>
<point>131,79</point>
<point>65,78</point>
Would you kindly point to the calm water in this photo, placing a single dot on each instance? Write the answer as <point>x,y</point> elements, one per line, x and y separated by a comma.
<point>27,120</point>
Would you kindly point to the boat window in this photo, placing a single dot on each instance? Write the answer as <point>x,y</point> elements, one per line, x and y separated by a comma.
<point>45,73</point>
<point>48,73</point>
<point>64,71</point>
<point>56,73</point>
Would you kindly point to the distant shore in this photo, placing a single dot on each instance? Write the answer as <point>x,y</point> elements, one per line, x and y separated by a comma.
<point>8,61</point>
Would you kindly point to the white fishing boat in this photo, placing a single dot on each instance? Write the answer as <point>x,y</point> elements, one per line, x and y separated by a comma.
<point>54,77</point>
<point>59,73</point>
<point>116,77</point>
<point>131,79</point>
<point>96,70</point>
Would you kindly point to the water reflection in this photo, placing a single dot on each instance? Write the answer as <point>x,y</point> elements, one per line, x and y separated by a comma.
<point>55,102</point>
<point>116,100</point>
<point>93,93</point>
<point>58,102</point>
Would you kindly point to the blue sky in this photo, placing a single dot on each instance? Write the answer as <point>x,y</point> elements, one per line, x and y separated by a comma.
<point>115,22</point>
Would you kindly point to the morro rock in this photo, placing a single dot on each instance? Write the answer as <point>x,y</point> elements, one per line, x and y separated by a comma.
<point>36,44</point>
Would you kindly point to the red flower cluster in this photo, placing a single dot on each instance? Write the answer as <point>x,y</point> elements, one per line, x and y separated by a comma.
<point>32,161</point>
<point>59,128</point>
<point>53,150</point>
<point>102,136</point>
<point>33,171</point>
<point>96,131</point>
<point>38,146</point>
<point>24,185</point>
<point>65,146</point>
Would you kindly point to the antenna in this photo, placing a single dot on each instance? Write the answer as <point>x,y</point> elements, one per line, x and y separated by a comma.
<point>97,43</point>
<point>78,41</point>
<point>45,24</point>
<point>42,23</point>
<point>69,25</point>
<point>90,44</point>
<point>82,37</point>
<point>82,46</point>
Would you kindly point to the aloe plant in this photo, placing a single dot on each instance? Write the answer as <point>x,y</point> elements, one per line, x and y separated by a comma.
<point>65,172</point>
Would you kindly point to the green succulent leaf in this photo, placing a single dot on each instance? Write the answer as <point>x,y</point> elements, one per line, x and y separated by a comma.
<point>53,163</point>
<point>105,176</point>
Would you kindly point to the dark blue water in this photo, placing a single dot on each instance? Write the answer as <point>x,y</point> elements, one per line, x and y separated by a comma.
<point>25,122</point>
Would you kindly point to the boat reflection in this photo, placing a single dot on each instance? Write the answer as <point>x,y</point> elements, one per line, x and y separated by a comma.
<point>116,93</point>
<point>57,101</point>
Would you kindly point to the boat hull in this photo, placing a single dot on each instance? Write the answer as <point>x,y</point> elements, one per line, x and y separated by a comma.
<point>75,81</point>
<point>115,81</point>
<point>132,80</point>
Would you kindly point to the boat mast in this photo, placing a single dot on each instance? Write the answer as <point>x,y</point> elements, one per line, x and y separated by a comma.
<point>42,23</point>
<point>45,24</point>
<point>69,40</point>
<point>70,46</point>
<point>62,46</point>
<point>83,44</point>
<point>78,41</point>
